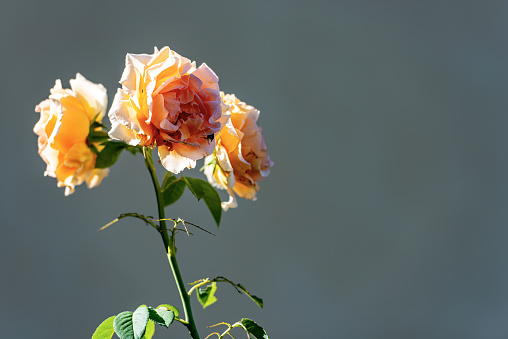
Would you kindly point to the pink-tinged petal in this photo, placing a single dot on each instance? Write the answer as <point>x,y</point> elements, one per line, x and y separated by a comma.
<point>172,105</point>
<point>207,76</point>
<point>195,83</point>
<point>168,127</point>
<point>195,152</point>
<point>225,114</point>
<point>187,66</point>
<point>173,162</point>
<point>170,84</point>
<point>185,96</point>
<point>93,97</point>
<point>212,94</point>
<point>214,108</point>
<point>193,125</point>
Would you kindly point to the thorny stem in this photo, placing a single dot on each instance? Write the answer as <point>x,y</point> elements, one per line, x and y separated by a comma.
<point>169,245</point>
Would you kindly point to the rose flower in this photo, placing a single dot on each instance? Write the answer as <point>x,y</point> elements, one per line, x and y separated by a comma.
<point>240,159</point>
<point>63,130</point>
<point>165,101</point>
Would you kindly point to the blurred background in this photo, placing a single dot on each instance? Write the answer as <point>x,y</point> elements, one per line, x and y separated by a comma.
<point>385,213</point>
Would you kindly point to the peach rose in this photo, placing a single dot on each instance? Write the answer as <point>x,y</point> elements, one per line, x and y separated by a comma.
<point>240,159</point>
<point>165,101</point>
<point>63,130</point>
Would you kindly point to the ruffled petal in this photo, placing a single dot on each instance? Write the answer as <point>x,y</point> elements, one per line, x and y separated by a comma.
<point>93,97</point>
<point>207,76</point>
<point>231,203</point>
<point>122,113</point>
<point>195,152</point>
<point>96,177</point>
<point>174,162</point>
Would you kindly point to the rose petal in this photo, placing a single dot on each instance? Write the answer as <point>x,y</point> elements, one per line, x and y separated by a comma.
<point>173,162</point>
<point>93,97</point>
<point>96,177</point>
<point>124,112</point>
<point>231,203</point>
<point>207,76</point>
<point>195,152</point>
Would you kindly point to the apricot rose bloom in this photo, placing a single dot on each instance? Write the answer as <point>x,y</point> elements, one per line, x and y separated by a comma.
<point>166,102</point>
<point>240,159</point>
<point>63,130</point>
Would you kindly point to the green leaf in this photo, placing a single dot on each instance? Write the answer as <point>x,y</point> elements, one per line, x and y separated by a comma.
<point>172,189</point>
<point>109,154</point>
<point>170,308</point>
<point>134,149</point>
<point>139,321</point>
<point>105,329</point>
<point>93,148</point>
<point>123,325</point>
<point>96,124</point>
<point>257,331</point>
<point>167,315</point>
<point>168,179</point>
<point>195,186</point>
<point>161,316</point>
<point>150,330</point>
<point>206,297</point>
<point>174,192</point>
<point>154,316</point>
<point>257,300</point>
<point>203,190</point>
<point>97,136</point>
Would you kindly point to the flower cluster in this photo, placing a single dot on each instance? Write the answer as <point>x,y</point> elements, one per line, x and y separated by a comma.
<point>165,102</point>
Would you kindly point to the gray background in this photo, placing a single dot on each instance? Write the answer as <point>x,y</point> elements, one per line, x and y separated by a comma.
<point>385,214</point>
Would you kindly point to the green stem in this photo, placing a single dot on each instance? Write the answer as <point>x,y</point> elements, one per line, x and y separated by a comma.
<point>147,152</point>
<point>169,244</point>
